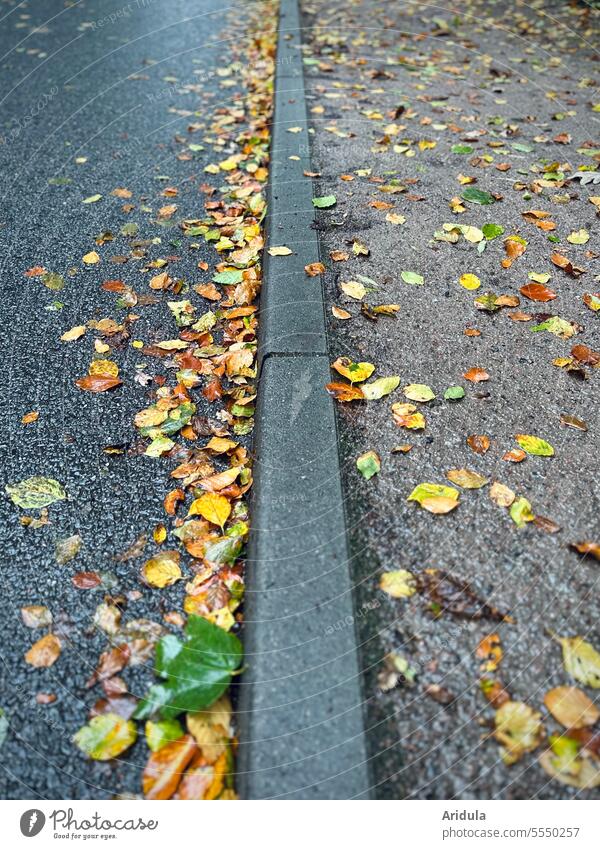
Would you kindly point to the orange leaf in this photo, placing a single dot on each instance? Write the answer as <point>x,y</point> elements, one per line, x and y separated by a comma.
<point>314,269</point>
<point>478,443</point>
<point>345,391</point>
<point>164,768</point>
<point>476,375</point>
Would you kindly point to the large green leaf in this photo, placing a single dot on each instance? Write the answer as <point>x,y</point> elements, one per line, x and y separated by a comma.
<point>35,493</point>
<point>196,671</point>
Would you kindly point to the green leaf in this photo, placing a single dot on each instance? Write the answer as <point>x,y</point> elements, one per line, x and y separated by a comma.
<point>228,278</point>
<point>432,490</point>
<point>92,199</point>
<point>368,464</point>
<point>558,326</point>
<point>105,736</point>
<point>534,445</point>
<point>477,196</point>
<point>224,551</point>
<point>461,148</point>
<point>196,671</point>
<point>36,492</point>
<point>491,231</point>
<point>412,277</point>
<point>158,734</point>
<point>521,512</point>
<point>3,726</point>
<point>53,281</point>
<point>454,393</point>
<point>325,201</point>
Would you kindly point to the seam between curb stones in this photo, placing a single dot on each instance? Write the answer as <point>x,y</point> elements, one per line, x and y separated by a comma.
<point>301,700</point>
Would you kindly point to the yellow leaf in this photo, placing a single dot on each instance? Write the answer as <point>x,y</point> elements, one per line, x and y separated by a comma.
<point>91,258</point>
<point>211,506</point>
<point>162,570</point>
<point>281,250</point>
<point>353,289</point>
<point>398,584</point>
<point>470,281</point>
<point>571,707</point>
<point>355,372</point>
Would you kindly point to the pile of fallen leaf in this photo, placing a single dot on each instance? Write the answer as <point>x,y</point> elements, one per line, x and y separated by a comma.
<point>209,350</point>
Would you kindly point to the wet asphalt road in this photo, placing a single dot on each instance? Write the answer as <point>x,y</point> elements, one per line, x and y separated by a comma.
<point>481,61</point>
<point>112,83</point>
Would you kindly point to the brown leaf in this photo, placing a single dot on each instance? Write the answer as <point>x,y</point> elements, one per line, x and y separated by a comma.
<point>478,443</point>
<point>567,266</point>
<point>571,707</point>
<point>453,595</point>
<point>313,269</point>
<point>97,383</point>
<point>537,292</point>
<point>86,580</point>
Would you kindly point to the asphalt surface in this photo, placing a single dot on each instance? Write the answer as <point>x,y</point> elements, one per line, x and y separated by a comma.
<point>483,60</point>
<point>112,83</point>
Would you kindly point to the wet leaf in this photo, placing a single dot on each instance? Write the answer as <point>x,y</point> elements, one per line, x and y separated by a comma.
<point>162,570</point>
<point>213,507</point>
<point>354,372</point>
<point>412,277</point>
<point>534,445</point>
<point>398,584</point>
<point>587,547</point>
<point>158,734</point>
<point>211,729</point>
<point>74,333</point>
<point>405,415</point>
<point>501,495</point>
<point>521,512</point>
<point>537,292</point>
<point>581,660</point>
<point>324,202</point>
<point>476,375</point>
<point>67,549</point>
<point>381,387</point>
<point>479,443</point>
<point>36,616</point>
<point>45,652</point>
<point>563,763</point>
<point>454,393</point>
<point>195,671</point>
<point>474,195</point>
<point>353,289</point>
<point>435,497</point>
<point>469,281</point>
<point>519,729</point>
<point>368,464</point>
<point>418,392</point>
<point>466,478</point>
<point>571,707</point>
<point>106,736</point>
<point>35,493</point>
<point>453,595</point>
<point>279,250</point>
<point>313,269</point>
<point>97,383</point>
<point>345,392</point>
<point>490,651</point>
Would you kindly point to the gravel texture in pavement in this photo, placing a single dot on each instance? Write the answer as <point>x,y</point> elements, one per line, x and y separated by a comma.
<point>497,92</point>
<point>93,95</point>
